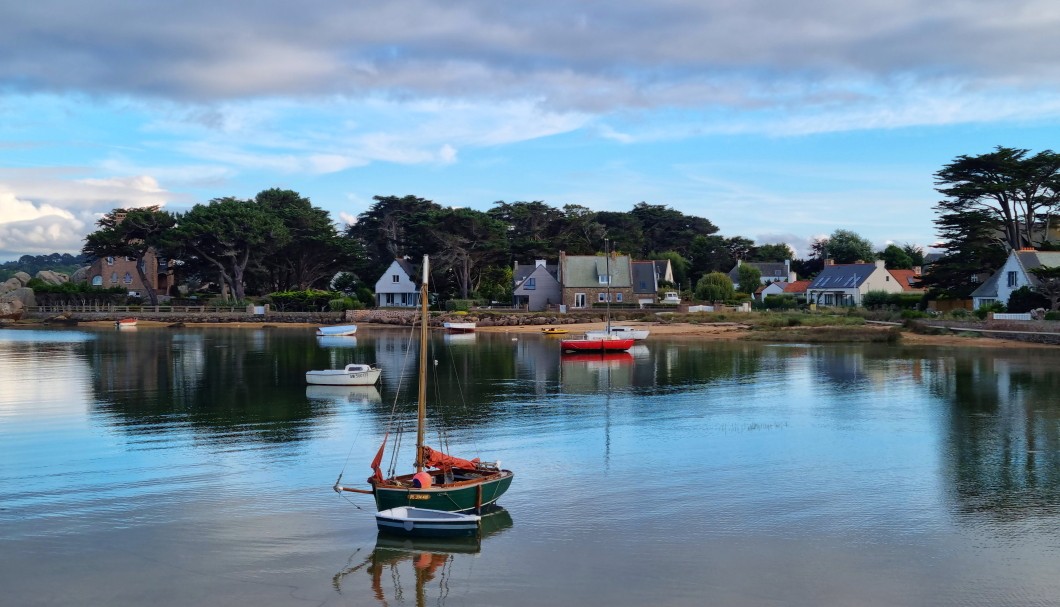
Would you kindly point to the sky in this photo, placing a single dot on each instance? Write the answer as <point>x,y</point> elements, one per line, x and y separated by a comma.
<point>779,121</point>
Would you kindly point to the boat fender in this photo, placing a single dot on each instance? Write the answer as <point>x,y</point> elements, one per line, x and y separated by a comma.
<point>421,480</point>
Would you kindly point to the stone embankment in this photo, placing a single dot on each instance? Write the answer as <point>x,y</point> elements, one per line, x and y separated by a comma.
<point>1032,331</point>
<point>484,318</point>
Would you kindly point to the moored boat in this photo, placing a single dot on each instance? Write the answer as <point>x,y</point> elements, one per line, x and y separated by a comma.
<point>598,344</point>
<point>554,331</point>
<point>337,330</point>
<point>351,375</point>
<point>125,323</point>
<point>421,522</point>
<point>459,327</point>
<point>440,481</point>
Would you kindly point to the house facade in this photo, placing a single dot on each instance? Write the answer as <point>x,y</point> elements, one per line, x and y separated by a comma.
<point>646,282</point>
<point>536,286</point>
<point>110,272</point>
<point>1014,274</point>
<point>846,284</point>
<point>772,271</point>
<point>588,279</point>
<point>398,287</point>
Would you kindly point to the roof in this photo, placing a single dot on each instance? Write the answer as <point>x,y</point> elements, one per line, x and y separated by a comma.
<point>989,288</point>
<point>644,277</point>
<point>843,276</point>
<point>909,279</point>
<point>799,286</point>
<point>663,269</point>
<point>769,269</point>
<point>522,271</point>
<point>408,268</point>
<point>1028,260</point>
<point>584,271</point>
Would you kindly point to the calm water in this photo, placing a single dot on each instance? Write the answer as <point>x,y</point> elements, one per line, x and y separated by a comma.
<point>194,467</point>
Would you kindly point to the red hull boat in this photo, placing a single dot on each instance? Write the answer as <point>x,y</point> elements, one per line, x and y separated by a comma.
<point>596,345</point>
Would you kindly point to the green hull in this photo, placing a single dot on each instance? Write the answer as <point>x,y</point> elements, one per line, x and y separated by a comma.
<point>449,499</point>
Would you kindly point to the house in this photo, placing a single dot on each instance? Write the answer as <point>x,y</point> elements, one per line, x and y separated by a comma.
<point>773,288</point>
<point>587,279</point>
<point>1014,274</point>
<point>846,284</point>
<point>110,272</point>
<point>797,288</point>
<point>772,271</point>
<point>398,286</point>
<point>646,281</point>
<point>536,286</point>
<point>908,279</point>
<point>664,271</point>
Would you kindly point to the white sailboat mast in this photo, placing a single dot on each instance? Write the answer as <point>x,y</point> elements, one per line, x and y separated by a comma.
<point>421,410</point>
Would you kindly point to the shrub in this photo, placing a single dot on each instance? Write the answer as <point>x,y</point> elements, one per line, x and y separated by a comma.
<point>715,286</point>
<point>982,311</point>
<point>459,305</point>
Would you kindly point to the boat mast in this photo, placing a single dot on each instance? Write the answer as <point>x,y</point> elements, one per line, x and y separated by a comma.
<point>421,410</point>
<point>607,265</point>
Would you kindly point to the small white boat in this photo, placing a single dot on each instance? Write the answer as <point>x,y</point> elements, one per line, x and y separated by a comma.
<point>421,522</point>
<point>125,323</point>
<point>337,330</point>
<point>459,327</point>
<point>621,332</point>
<point>352,375</point>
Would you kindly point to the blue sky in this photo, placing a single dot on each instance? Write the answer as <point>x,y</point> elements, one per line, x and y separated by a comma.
<point>778,121</point>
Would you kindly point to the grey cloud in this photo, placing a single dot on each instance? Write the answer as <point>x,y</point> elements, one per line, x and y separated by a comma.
<point>597,56</point>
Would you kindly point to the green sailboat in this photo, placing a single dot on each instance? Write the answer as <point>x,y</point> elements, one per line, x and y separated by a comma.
<point>440,481</point>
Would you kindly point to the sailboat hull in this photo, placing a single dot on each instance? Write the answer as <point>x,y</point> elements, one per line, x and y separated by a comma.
<point>466,496</point>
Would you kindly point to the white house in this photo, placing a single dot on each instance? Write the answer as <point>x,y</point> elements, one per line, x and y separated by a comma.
<point>398,287</point>
<point>846,284</point>
<point>1014,274</point>
<point>536,286</point>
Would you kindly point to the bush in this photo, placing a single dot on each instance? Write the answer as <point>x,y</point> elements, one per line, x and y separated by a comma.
<point>982,311</point>
<point>459,305</point>
<point>342,304</point>
<point>781,302</point>
<point>1024,299</point>
<point>715,286</point>
<point>310,300</point>
<point>1052,316</point>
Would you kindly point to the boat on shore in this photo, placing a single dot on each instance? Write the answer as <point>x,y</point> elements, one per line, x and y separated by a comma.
<point>619,331</point>
<point>459,327</point>
<point>125,323</point>
<point>337,330</point>
<point>421,522</point>
<point>352,375</point>
<point>440,481</point>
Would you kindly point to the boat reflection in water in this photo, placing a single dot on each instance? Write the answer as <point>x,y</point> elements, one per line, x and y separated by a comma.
<point>336,341</point>
<point>586,373</point>
<point>430,562</point>
<point>460,338</point>
<point>365,395</point>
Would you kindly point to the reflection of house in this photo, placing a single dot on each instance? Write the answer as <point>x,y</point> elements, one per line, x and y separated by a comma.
<point>587,279</point>
<point>110,272</point>
<point>846,284</point>
<point>772,271</point>
<point>398,287</point>
<point>536,286</point>
<point>1015,273</point>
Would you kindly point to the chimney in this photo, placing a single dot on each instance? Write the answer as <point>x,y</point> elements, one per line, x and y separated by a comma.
<point>829,262</point>
<point>881,264</point>
<point>539,263</point>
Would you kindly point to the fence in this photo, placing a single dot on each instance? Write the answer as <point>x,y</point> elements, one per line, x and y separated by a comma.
<point>1000,316</point>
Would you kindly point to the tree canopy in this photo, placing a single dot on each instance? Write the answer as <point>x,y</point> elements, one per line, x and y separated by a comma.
<point>131,233</point>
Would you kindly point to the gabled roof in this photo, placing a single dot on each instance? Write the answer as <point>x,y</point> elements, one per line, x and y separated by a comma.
<point>522,271</point>
<point>664,270</point>
<point>644,277</point>
<point>769,269</point>
<point>799,286</point>
<point>989,288</point>
<point>909,280</point>
<point>409,269</point>
<point>584,271</point>
<point>1028,260</point>
<point>843,276</point>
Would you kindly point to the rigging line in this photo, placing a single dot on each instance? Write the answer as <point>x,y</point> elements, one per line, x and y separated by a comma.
<point>400,433</point>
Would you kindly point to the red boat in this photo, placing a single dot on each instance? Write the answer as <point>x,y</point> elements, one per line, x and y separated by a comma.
<point>607,344</point>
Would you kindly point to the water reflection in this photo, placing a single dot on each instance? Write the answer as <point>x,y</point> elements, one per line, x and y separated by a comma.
<point>423,567</point>
<point>344,394</point>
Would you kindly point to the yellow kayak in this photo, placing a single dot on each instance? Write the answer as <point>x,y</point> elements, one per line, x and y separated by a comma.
<point>554,331</point>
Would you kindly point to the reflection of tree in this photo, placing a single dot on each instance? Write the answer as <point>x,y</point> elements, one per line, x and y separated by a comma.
<point>1004,436</point>
<point>426,559</point>
<point>220,382</point>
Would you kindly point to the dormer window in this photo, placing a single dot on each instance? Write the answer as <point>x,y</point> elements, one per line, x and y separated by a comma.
<point>605,279</point>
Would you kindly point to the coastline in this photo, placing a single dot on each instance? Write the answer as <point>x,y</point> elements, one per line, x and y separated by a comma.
<point>722,331</point>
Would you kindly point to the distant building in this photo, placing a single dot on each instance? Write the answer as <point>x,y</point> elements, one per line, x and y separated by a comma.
<point>111,272</point>
<point>1014,274</point>
<point>846,284</point>
<point>398,286</point>
<point>587,280</point>
<point>536,286</point>
<point>772,271</point>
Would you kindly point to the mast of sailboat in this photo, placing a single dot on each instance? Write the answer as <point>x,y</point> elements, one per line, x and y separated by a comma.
<point>421,409</point>
<point>607,266</point>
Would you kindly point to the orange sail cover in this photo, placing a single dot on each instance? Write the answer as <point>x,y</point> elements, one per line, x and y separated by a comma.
<point>437,459</point>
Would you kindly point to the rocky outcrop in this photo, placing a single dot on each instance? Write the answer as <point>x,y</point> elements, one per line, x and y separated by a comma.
<point>52,278</point>
<point>10,285</point>
<point>23,278</point>
<point>80,274</point>
<point>23,295</point>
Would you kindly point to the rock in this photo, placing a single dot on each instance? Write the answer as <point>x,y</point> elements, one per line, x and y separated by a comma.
<point>80,274</point>
<point>11,309</point>
<point>23,278</point>
<point>52,278</point>
<point>24,295</point>
<point>10,285</point>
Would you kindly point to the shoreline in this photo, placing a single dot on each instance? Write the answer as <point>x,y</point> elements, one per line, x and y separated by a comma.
<point>722,331</point>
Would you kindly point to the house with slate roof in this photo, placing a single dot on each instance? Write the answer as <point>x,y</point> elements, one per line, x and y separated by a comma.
<point>646,282</point>
<point>772,271</point>
<point>536,286</point>
<point>1015,273</point>
<point>398,286</point>
<point>587,280</point>
<point>846,284</point>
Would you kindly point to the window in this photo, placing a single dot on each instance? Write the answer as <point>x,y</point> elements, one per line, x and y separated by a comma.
<point>97,281</point>
<point>110,261</point>
<point>605,279</point>
<point>579,300</point>
<point>1013,278</point>
<point>618,297</point>
<point>530,284</point>
<point>828,300</point>
<point>114,278</point>
<point>128,278</point>
<point>600,297</point>
<point>395,278</point>
<point>390,298</point>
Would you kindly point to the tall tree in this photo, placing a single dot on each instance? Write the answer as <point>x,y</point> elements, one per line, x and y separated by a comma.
<point>624,232</point>
<point>392,227</point>
<point>531,226</point>
<point>467,242</point>
<point>666,229</point>
<point>228,233</point>
<point>896,258</point>
<point>131,233</point>
<point>1048,284</point>
<point>1016,190</point>
<point>581,233</point>
<point>314,253</point>
<point>973,248</point>
<point>772,252</point>
<point>845,246</point>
